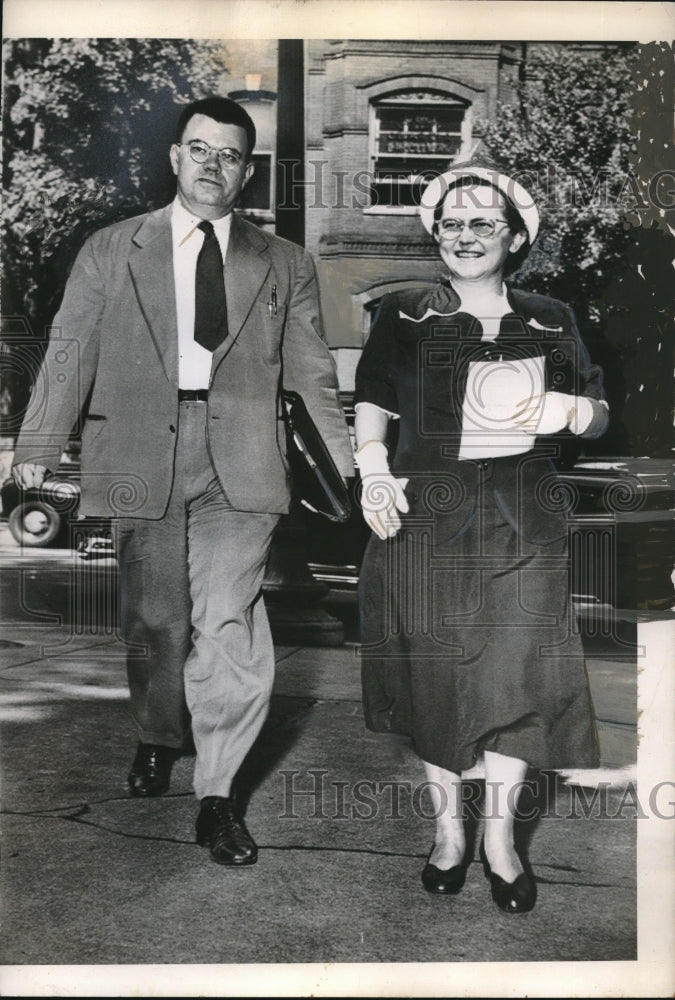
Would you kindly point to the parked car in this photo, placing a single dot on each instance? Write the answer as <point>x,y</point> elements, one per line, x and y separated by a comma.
<point>622,532</point>
<point>39,517</point>
<point>622,536</point>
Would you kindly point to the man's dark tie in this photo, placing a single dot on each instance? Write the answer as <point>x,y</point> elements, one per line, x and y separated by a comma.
<point>210,304</point>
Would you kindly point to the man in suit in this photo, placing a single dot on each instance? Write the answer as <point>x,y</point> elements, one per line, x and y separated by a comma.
<point>176,360</point>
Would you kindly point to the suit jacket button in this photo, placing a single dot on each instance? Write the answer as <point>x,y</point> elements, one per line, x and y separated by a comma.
<point>172,428</point>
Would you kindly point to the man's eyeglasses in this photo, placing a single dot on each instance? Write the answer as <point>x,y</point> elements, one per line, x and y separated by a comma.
<point>200,152</point>
<point>449,229</point>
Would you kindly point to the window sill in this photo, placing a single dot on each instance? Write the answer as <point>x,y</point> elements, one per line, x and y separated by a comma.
<point>261,214</point>
<point>391,210</point>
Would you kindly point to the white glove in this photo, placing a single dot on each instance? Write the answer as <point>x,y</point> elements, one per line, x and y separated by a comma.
<point>552,412</point>
<point>382,496</point>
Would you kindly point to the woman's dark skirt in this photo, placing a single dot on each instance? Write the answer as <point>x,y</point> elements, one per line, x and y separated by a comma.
<point>469,645</point>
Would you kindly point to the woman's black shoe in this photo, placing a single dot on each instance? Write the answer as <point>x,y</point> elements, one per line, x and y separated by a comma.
<point>518,896</point>
<point>445,882</point>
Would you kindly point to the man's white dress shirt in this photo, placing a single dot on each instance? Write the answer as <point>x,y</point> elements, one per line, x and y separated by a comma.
<point>194,361</point>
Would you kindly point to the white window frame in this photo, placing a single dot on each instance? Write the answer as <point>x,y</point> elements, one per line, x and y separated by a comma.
<point>266,214</point>
<point>425,99</point>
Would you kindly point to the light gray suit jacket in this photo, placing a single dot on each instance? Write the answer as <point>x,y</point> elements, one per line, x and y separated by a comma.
<point>113,355</point>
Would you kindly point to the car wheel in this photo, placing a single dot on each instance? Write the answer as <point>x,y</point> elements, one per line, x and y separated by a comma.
<point>34,523</point>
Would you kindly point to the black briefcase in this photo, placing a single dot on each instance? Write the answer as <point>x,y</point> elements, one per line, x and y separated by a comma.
<point>315,477</point>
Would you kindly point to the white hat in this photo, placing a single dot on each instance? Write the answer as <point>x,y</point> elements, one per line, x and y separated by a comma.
<point>436,190</point>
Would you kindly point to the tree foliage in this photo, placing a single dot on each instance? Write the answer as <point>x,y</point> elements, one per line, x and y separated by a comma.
<point>638,305</point>
<point>87,125</point>
<point>589,135</point>
<point>568,140</point>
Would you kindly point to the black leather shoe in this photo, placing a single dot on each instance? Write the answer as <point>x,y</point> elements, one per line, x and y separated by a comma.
<point>221,826</point>
<point>518,896</point>
<point>150,772</point>
<point>445,882</point>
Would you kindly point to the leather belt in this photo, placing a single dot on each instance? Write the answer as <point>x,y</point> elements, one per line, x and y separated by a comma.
<point>191,395</point>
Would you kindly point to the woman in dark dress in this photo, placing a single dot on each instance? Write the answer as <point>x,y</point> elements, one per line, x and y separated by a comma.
<point>467,645</point>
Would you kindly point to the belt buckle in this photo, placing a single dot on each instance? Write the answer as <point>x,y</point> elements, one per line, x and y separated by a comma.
<point>192,395</point>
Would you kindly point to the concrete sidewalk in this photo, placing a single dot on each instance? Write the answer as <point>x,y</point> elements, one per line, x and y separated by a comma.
<point>92,876</point>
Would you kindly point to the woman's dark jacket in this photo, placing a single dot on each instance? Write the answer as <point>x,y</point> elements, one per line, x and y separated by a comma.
<point>415,364</point>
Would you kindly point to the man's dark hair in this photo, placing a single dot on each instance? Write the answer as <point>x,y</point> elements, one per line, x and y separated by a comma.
<point>222,110</point>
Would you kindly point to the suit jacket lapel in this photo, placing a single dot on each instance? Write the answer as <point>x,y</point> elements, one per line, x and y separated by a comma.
<point>151,266</point>
<point>246,266</point>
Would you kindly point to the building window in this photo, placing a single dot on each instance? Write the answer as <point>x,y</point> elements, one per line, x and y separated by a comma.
<point>258,195</point>
<point>257,200</point>
<point>414,135</point>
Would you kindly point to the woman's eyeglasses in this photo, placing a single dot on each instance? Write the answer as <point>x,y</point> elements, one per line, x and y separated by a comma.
<point>200,152</point>
<point>449,229</point>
